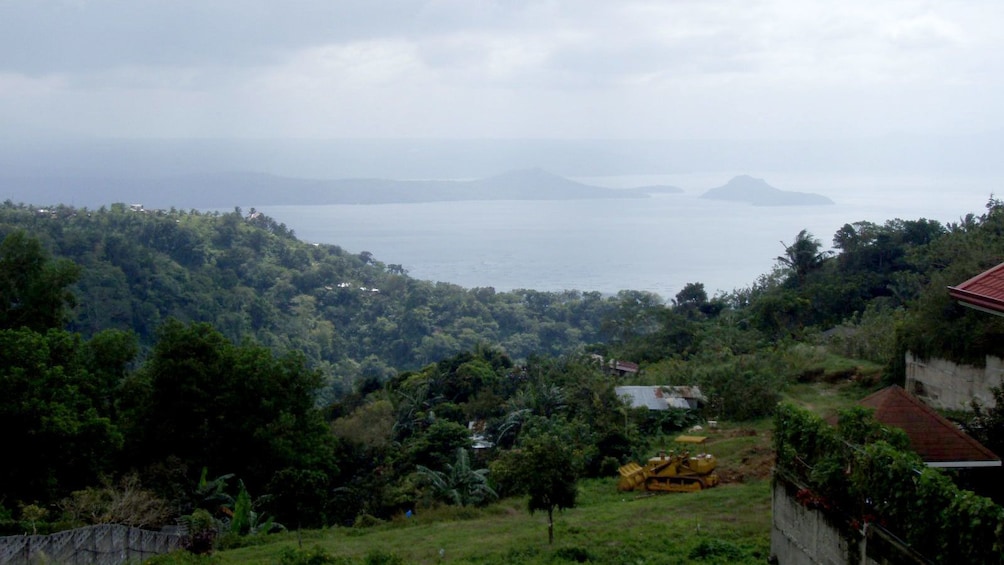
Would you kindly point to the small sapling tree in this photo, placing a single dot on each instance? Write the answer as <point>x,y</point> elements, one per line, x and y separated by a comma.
<point>549,470</point>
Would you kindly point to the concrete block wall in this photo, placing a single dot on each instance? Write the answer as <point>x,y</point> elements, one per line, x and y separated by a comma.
<point>803,536</point>
<point>946,385</point>
<point>806,536</point>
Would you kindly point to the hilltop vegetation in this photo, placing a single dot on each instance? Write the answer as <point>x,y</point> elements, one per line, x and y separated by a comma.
<point>192,360</point>
<point>351,315</point>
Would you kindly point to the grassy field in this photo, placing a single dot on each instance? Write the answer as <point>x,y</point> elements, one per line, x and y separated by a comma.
<point>726,524</point>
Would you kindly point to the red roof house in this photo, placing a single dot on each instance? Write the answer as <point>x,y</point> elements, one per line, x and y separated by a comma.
<point>983,292</point>
<point>939,442</point>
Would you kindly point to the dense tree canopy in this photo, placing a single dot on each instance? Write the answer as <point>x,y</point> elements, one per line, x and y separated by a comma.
<point>936,325</point>
<point>57,391</point>
<point>34,290</point>
<point>58,430</point>
<point>350,315</point>
<point>203,401</point>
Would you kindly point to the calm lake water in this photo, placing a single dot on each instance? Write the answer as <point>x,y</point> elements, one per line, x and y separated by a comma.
<point>657,244</point>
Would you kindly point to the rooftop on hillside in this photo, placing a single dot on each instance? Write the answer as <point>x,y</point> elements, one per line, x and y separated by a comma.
<point>938,441</point>
<point>983,292</point>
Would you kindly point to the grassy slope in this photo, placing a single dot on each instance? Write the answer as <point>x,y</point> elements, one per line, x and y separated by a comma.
<point>730,523</point>
<point>727,524</point>
<point>826,399</point>
<point>607,526</point>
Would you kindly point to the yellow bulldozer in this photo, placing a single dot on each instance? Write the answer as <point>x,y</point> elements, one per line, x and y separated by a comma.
<point>676,471</point>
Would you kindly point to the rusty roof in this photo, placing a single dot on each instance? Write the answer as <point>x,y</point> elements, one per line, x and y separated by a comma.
<point>939,442</point>
<point>624,365</point>
<point>661,397</point>
<point>985,291</point>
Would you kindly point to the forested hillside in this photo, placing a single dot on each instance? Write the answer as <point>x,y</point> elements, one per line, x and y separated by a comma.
<point>351,315</point>
<point>158,366</point>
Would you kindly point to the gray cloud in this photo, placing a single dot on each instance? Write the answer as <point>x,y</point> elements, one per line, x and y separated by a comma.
<point>72,36</point>
<point>68,36</point>
<point>462,68</point>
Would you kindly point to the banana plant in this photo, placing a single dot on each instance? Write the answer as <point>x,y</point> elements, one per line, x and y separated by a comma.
<point>461,484</point>
<point>244,520</point>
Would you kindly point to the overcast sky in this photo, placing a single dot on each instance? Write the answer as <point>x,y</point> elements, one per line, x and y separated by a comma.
<point>672,69</point>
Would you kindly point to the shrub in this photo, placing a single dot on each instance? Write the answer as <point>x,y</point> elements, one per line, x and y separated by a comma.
<point>202,530</point>
<point>574,554</point>
<point>719,551</point>
<point>128,504</point>
<point>741,392</point>
<point>366,521</point>
<point>609,467</point>
<point>312,556</point>
<point>380,557</point>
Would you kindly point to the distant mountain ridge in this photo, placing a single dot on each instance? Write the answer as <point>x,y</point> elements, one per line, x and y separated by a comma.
<point>744,188</point>
<point>223,190</point>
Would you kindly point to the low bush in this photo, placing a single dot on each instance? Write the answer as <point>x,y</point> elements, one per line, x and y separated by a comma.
<point>311,556</point>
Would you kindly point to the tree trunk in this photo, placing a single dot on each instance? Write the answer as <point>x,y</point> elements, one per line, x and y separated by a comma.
<point>550,526</point>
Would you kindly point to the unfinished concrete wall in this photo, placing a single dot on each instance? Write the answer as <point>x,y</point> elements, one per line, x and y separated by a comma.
<point>802,536</point>
<point>945,385</point>
<point>806,536</point>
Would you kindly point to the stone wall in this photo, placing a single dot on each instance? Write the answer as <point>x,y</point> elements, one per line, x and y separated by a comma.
<point>945,385</point>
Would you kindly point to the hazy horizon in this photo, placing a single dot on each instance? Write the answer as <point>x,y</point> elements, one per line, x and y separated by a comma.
<point>403,159</point>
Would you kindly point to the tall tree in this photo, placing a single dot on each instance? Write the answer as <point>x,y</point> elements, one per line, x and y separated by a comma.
<point>691,294</point>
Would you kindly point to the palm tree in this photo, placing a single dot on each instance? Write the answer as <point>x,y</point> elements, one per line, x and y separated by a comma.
<point>803,255</point>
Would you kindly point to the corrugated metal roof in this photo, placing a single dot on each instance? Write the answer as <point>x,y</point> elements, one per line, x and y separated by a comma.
<point>624,366</point>
<point>661,397</point>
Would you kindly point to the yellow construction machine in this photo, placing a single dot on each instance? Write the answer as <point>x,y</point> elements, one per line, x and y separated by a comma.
<point>675,471</point>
